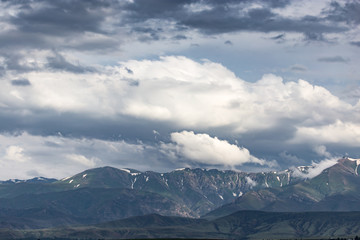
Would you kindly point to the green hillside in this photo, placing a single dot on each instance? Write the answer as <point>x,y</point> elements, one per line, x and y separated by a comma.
<point>240,225</point>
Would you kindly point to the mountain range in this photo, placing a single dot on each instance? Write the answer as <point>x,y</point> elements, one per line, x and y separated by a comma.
<point>335,189</point>
<point>97,199</point>
<point>182,192</point>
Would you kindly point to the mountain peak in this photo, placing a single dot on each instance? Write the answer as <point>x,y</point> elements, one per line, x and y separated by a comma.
<point>32,180</point>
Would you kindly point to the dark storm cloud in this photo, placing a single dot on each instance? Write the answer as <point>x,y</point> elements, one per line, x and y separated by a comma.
<point>58,62</point>
<point>279,37</point>
<point>269,143</point>
<point>278,3</point>
<point>314,36</point>
<point>228,42</point>
<point>180,37</point>
<point>147,33</point>
<point>57,24</point>
<point>222,20</point>
<point>335,59</point>
<point>20,82</point>
<point>355,43</point>
<point>128,70</point>
<point>61,17</point>
<point>349,12</point>
<point>224,17</point>
<point>14,40</point>
<point>142,10</point>
<point>102,46</point>
<point>15,61</point>
<point>48,24</point>
<point>74,125</point>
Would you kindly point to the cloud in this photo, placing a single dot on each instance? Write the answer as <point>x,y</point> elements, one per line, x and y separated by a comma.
<point>210,17</point>
<point>345,133</point>
<point>316,168</point>
<point>171,93</point>
<point>20,82</point>
<point>355,43</point>
<point>98,26</point>
<point>205,149</point>
<point>58,62</point>
<point>347,12</point>
<point>278,37</point>
<point>251,183</point>
<point>291,158</point>
<point>298,68</point>
<point>90,163</point>
<point>222,20</point>
<point>60,73</point>
<point>58,156</point>
<point>314,36</point>
<point>333,59</point>
<point>60,17</point>
<point>174,93</point>
<point>15,153</point>
<point>321,151</point>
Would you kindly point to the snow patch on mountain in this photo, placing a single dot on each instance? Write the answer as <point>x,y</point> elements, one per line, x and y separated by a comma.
<point>132,183</point>
<point>66,178</point>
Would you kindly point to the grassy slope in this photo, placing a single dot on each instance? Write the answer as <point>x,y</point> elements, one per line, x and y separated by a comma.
<point>240,225</point>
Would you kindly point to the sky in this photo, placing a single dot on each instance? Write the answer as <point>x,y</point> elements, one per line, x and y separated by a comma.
<point>157,85</point>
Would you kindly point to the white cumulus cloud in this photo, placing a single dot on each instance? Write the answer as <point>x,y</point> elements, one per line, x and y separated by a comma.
<point>15,153</point>
<point>205,149</point>
<point>57,156</point>
<point>340,132</point>
<point>170,94</point>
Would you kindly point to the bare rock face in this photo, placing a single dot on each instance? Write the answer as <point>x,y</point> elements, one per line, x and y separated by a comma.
<point>336,188</point>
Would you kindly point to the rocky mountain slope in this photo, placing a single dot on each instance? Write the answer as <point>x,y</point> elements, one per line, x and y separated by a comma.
<point>337,188</point>
<point>106,194</point>
<point>109,193</point>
